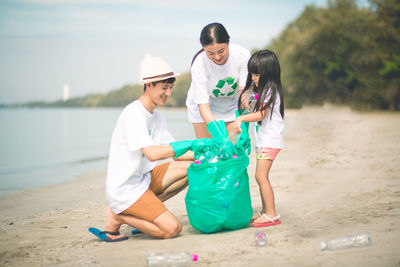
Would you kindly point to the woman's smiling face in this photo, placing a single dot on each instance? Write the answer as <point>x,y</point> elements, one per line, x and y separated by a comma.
<point>218,53</point>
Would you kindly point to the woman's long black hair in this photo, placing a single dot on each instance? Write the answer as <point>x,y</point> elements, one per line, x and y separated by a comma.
<point>266,64</point>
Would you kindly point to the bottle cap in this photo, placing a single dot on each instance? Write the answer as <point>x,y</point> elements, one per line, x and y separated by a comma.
<point>194,257</point>
<point>323,245</point>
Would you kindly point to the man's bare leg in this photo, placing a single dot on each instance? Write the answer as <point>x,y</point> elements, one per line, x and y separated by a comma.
<point>175,179</point>
<point>164,226</point>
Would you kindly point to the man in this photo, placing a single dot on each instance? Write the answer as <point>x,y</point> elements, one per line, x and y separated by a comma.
<point>136,186</point>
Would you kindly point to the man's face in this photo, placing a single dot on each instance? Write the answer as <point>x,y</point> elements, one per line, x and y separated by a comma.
<point>218,53</point>
<point>160,92</point>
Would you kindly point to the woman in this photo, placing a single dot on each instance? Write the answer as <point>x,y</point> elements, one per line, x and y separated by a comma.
<point>219,72</point>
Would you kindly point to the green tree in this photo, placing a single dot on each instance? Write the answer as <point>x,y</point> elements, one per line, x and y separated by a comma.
<point>343,54</point>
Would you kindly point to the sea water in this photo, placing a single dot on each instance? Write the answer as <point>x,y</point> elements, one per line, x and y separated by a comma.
<point>39,147</point>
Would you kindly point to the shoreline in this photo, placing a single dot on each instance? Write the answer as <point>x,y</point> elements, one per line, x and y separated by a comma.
<point>339,174</point>
<point>78,172</point>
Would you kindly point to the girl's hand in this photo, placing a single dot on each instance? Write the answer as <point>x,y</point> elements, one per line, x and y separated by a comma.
<point>236,125</point>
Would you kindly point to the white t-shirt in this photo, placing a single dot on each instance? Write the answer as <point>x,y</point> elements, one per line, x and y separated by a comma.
<point>217,84</point>
<point>128,174</point>
<point>269,134</point>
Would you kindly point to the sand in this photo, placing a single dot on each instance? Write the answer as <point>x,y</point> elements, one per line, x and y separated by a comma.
<point>339,174</point>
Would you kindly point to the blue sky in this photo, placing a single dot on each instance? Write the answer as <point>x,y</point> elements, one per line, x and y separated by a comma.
<point>96,45</point>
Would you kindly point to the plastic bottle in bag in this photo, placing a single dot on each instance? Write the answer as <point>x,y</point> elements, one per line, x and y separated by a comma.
<point>348,241</point>
<point>181,258</point>
<point>260,238</point>
<point>211,156</point>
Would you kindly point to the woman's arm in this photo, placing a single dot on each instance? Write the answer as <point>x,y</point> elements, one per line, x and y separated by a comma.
<point>205,112</point>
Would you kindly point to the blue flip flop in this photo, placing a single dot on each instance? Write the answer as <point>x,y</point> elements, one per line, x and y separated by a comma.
<point>136,232</point>
<point>103,235</point>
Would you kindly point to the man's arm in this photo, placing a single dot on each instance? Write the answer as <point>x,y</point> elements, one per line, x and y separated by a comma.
<point>154,153</point>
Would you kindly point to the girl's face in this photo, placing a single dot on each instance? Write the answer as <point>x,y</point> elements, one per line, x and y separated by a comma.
<point>218,53</point>
<point>255,78</point>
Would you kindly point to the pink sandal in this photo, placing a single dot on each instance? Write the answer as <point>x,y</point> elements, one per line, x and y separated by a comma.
<point>253,219</point>
<point>272,221</point>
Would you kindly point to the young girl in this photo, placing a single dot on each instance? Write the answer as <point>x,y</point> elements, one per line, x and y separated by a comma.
<point>264,82</point>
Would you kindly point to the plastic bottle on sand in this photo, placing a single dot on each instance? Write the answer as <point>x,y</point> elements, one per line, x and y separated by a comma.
<point>182,258</point>
<point>260,238</point>
<point>348,241</point>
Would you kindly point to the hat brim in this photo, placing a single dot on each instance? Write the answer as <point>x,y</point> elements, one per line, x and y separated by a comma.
<point>142,81</point>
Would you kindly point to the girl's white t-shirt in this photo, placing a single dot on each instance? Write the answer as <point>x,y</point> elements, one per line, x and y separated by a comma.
<point>218,84</point>
<point>269,134</point>
<point>128,173</point>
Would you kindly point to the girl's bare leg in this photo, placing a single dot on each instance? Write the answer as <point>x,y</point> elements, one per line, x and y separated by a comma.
<point>267,194</point>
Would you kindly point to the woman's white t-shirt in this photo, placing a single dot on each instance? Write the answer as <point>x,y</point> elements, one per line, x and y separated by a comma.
<point>217,84</point>
<point>128,174</point>
<point>269,134</point>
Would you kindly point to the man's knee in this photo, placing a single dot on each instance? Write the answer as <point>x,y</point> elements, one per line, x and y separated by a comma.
<point>172,230</point>
<point>168,224</point>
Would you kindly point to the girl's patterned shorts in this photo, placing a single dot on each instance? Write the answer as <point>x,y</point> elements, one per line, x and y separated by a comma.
<point>267,153</point>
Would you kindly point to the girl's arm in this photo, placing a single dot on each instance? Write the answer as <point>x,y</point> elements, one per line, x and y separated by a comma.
<point>251,117</point>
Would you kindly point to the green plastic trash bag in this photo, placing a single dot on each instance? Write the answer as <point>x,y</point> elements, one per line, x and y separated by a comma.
<point>218,195</point>
<point>217,130</point>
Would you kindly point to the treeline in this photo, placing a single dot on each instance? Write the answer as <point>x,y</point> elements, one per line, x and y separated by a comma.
<point>342,53</point>
<point>119,97</point>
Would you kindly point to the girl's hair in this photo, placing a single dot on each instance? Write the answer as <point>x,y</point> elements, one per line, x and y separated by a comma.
<point>266,64</point>
<point>214,33</point>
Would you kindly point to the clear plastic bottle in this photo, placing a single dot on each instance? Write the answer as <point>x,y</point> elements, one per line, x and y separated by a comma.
<point>252,98</point>
<point>181,258</point>
<point>260,238</point>
<point>348,241</point>
<point>211,156</point>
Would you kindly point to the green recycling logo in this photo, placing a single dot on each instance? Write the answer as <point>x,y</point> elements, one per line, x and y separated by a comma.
<point>225,87</point>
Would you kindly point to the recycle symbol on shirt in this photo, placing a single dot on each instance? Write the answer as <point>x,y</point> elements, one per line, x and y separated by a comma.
<point>225,87</point>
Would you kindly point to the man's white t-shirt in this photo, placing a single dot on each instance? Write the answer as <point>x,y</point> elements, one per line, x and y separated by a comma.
<point>217,84</point>
<point>269,134</point>
<point>128,174</point>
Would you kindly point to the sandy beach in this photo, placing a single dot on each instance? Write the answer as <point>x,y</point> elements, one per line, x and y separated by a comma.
<point>339,174</point>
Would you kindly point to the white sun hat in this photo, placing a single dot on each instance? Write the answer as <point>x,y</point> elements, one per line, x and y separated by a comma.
<point>153,69</point>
